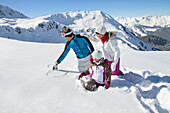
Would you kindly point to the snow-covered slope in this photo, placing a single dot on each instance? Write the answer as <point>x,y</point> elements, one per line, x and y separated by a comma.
<point>25,88</point>
<point>163,21</point>
<point>147,25</point>
<point>6,12</point>
<point>153,30</point>
<point>48,28</point>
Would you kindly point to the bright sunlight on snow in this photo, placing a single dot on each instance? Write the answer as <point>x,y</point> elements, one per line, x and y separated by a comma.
<point>25,88</point>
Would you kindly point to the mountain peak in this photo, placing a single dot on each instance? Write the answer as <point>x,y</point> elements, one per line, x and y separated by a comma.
<point>48,28</point>
<point>6,12</point>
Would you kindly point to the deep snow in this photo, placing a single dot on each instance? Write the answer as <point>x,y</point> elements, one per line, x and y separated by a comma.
<point>25,88</point>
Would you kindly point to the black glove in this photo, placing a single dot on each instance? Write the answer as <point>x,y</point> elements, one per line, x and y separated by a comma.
<point>55,67</point>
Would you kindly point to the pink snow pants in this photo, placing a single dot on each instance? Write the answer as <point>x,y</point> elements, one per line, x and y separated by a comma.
<point>116,71</point>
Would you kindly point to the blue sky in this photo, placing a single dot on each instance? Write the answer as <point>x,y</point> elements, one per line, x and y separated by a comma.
<point>124,8</point>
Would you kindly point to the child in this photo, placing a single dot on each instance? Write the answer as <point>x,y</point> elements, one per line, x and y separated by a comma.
<point>99,70</point>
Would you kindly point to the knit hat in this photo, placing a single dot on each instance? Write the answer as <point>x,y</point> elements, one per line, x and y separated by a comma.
<point>101,30</point>
<point>97,54</point>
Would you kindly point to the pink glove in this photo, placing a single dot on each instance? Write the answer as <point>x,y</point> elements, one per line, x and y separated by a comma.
<point>107,85</point>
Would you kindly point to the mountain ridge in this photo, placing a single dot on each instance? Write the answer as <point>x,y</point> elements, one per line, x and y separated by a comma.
<point>155,28</point>
<point>6,12</point>
<point>163,21</point>
<point>48,28</point>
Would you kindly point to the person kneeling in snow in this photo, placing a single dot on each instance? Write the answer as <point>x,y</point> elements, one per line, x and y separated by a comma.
<point>81,46</point>
<point>99,71</point>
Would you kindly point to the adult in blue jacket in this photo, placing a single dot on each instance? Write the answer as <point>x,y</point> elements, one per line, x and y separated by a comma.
<point>80,45</point>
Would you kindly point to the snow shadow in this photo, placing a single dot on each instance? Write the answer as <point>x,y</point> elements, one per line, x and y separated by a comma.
<point>68,71</point>
<point>146,88</point>
<point>158,79</point>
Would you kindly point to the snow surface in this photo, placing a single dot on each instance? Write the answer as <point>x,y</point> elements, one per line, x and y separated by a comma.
<point>141,26</point>
<point>163,21</point>
<point>25,88</point>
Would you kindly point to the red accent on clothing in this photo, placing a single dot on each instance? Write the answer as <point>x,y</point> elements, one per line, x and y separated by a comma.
<point>103,39</point>
<point>91,59</point>
<point>82,74</point>
<point>107,85</point>
<point>87,73</point>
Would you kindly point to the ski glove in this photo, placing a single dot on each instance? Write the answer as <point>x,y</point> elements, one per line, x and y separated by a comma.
<point>107,85</point>
<point>81,75</point>
<point>55,67</point>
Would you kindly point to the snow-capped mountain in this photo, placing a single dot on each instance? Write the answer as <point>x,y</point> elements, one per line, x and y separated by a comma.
<point>153,30</point>
<point>6,12</point>
<point>26,88</point>
<point>48,28</point>
<point>152,21</point>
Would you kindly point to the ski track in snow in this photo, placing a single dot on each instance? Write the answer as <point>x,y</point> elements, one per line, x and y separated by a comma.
<point>146,85</point>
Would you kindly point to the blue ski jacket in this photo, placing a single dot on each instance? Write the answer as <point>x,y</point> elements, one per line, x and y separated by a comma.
<point>81,46</point>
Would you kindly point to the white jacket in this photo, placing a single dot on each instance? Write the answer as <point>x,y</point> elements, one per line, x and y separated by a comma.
<point>111,50</point>
<point>98,73</point>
